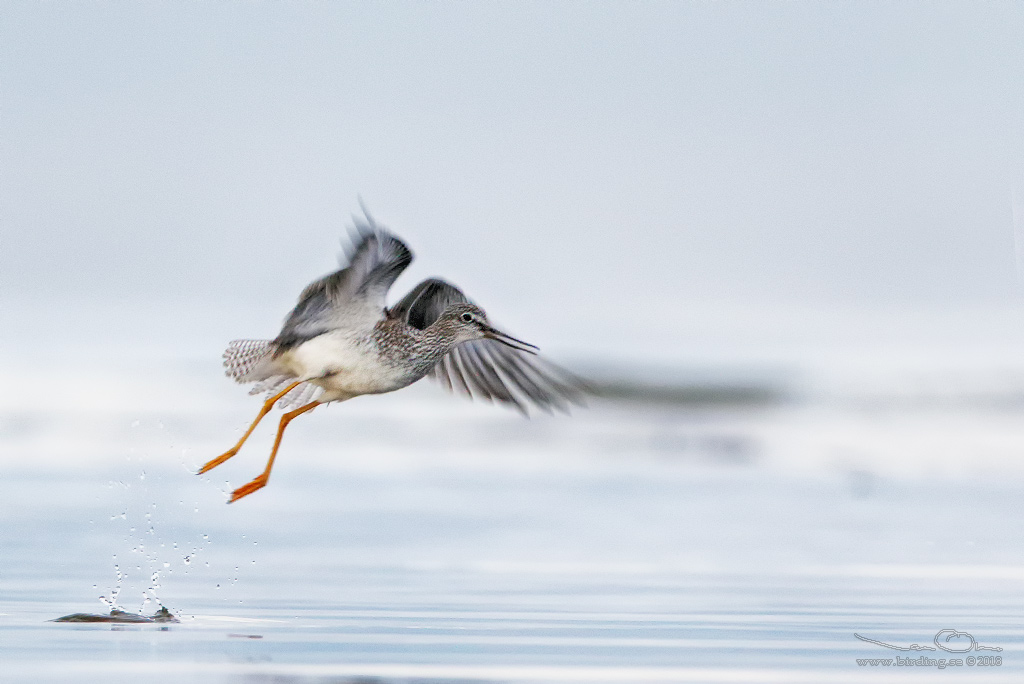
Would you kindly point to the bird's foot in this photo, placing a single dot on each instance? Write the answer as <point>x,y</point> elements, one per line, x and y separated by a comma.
<point>210,465</point>
<point>247,489</point>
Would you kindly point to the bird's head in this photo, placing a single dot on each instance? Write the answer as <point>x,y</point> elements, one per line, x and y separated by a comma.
<point>470,323</point>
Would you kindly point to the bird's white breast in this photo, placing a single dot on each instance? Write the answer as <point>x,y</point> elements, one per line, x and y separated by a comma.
<point>342,365</point>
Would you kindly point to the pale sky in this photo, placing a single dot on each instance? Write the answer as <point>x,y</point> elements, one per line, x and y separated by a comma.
<point>561,156</point>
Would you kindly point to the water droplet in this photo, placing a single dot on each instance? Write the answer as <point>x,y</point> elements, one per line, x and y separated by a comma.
<point>142,476</point>
<point>187,559</point>
<point>167,565</point>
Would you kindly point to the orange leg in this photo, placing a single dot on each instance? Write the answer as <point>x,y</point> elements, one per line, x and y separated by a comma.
<point>261,480</point>
<point>269,404</point>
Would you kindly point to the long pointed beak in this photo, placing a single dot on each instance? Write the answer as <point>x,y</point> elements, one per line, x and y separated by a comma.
<point>494,334</point>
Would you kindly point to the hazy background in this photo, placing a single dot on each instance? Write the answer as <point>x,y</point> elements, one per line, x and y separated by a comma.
<point>785,239</point>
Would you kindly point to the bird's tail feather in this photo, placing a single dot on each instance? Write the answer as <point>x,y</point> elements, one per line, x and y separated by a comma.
<point>246,360</point>
<point>250,361</point>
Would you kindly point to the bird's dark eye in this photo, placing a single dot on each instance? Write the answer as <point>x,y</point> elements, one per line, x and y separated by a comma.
<point>467,317</point>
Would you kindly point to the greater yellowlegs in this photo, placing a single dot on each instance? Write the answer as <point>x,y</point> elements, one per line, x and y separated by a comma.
<point>341,341</point>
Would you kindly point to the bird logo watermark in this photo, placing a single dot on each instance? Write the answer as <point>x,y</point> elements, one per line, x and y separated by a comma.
<point>945,640</point>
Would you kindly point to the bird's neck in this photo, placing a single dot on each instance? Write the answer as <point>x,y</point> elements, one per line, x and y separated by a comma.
<point>410,346</point>
<point>437,340</point>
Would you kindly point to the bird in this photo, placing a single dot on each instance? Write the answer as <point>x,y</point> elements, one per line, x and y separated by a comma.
<point>342,341</point>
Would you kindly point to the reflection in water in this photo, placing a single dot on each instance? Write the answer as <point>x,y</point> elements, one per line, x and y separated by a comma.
<point>121,617</point>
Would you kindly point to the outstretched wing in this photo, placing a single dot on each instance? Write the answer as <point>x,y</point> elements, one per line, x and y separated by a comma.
<point>355,291</point>
<point>488,369</point>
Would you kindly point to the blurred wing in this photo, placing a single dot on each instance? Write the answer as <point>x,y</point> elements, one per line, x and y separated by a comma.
<point>355,291</point>
<point>375,260</point>
<point>488,369</point>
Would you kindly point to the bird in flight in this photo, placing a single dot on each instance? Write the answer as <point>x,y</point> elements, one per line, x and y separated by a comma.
<point>341,341</point>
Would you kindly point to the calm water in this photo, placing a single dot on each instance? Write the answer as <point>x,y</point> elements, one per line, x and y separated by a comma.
<point>419,538</point>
